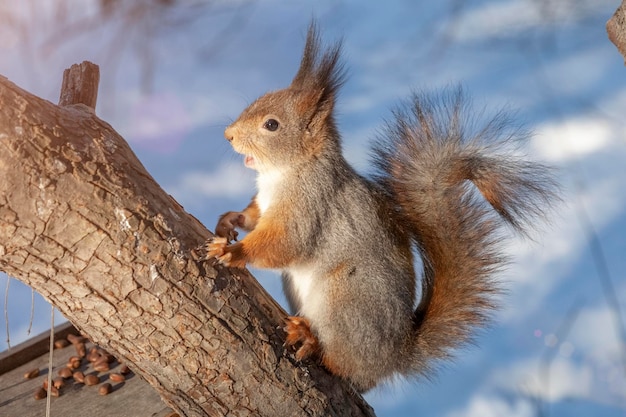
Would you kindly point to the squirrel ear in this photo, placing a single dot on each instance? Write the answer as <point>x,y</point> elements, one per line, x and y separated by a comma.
<point>316,107</point>
<point>318,80</point>
<point>307,101</point>
<point>319,71</point>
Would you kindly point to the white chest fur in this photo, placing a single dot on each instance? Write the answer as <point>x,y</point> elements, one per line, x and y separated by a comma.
<point>307,288</point>
<point>268,183</point>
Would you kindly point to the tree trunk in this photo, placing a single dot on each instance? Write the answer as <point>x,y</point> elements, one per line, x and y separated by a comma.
<point>84,224</point>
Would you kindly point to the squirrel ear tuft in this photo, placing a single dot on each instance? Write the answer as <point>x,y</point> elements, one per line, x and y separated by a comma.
<point>320,71</point>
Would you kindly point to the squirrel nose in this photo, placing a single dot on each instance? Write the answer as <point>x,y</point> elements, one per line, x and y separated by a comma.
<point>229,133</point>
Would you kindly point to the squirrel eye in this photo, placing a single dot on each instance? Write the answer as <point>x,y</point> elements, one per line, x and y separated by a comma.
<point>271,125</point>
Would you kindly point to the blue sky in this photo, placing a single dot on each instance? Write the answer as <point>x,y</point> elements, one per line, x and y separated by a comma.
<point>171,89</point>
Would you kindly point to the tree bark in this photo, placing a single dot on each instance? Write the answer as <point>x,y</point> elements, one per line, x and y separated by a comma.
<point>616,29</point>
<point>85,225</point>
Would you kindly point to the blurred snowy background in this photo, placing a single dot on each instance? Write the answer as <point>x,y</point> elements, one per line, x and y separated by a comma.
<point>174,73</point>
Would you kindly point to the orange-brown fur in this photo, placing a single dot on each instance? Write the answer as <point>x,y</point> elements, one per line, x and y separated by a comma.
<point>345,243</point>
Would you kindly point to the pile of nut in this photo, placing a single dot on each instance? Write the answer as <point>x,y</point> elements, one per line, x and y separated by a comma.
<point>86,367</point>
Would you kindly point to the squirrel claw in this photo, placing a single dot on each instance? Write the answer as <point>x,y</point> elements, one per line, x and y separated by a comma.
<point>298,331</point>
<point>225,259</point>
<point>215,249</point>
<point>215,246</point>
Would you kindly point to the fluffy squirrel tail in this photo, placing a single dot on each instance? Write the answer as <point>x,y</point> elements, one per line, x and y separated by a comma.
<point>455,181</point>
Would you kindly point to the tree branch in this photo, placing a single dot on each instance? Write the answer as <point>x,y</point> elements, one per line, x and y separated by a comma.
<point>85,225</point>
<point>80,85</point>
<point>616,29</point>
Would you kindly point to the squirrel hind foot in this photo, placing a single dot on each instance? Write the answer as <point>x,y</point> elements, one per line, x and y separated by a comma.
<point>299,332</point>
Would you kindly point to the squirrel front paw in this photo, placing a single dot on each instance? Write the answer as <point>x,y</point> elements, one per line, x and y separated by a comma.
<point>298,331</point>
<point>227,223</point>
<point>227,255</point>
<point>216,249</point>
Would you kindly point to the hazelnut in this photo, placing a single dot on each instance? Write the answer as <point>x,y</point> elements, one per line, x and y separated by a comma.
<point>65,372</point>
<point>74,362</point>
<point>79,377</point>
<point>40,394</point>
<point>101,365</point>
<point>105,389</point>
<point>91,379</point>
<point>32,374</point>
<point>61,343</point>
<point>58,382</point>
<point>81,350</point>
<point>115,377</point>
<point>74,339</point>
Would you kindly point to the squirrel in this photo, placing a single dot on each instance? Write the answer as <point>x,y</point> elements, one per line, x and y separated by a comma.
<point>346,244</point>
